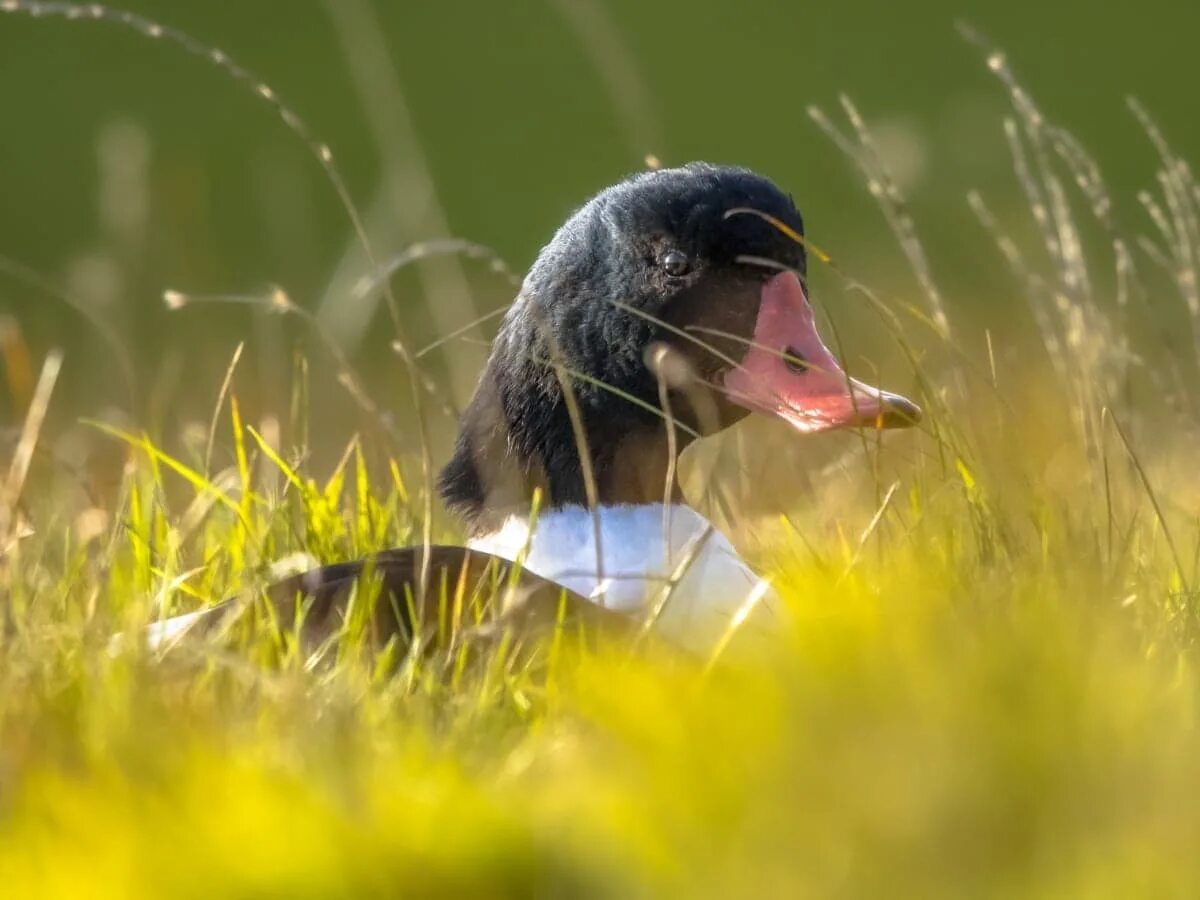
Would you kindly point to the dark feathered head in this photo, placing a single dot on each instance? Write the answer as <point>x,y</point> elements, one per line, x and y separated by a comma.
<point>680,285</point>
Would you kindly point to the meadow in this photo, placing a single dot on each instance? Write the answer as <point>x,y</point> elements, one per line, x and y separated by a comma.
<point>987,685</point>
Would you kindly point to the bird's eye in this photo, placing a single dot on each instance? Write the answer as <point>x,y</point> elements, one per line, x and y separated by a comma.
<point>676,263</point>
<point>794,360</point>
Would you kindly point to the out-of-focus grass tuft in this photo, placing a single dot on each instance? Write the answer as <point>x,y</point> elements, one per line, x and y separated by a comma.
<point>986,698</point>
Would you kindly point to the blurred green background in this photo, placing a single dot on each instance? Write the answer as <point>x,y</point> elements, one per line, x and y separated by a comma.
<point>128,166</point>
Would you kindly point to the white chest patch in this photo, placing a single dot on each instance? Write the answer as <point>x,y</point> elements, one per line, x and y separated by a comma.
<point>646,548</point>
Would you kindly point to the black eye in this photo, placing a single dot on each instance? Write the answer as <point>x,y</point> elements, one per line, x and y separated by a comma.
<point>676,263</point>
<point>794,360</point>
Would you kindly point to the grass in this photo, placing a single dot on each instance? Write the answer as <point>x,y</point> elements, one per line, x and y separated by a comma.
<point>986,685</point>
<point>989,697</point>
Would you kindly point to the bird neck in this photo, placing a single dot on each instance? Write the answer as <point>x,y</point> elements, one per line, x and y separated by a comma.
<point>501,461</point>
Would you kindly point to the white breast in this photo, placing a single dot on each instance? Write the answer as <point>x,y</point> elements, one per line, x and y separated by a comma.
<point>651,554</point>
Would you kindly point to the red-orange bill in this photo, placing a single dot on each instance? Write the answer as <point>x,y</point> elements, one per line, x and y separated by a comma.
<point>789,372</point>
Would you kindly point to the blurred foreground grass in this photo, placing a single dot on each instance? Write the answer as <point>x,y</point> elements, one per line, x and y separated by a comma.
<point>994,694</point>
<point>986,685</point>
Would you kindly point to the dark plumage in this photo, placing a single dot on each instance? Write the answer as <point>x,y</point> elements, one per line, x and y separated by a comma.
<point>471,598</point>
<point>517,433</point>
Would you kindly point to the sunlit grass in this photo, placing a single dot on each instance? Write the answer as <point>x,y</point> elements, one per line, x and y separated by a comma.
<point>994,693</point>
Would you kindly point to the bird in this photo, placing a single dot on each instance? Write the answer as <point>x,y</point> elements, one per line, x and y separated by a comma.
<point>665,309</point>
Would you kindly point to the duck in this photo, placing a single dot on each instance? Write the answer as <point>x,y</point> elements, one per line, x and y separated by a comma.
<point>666,309</point>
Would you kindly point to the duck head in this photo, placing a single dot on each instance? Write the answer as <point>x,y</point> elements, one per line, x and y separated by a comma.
<point>669,297</point>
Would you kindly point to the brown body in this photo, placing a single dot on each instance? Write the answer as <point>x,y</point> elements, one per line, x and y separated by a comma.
<point>469,597</point>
